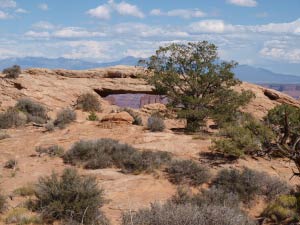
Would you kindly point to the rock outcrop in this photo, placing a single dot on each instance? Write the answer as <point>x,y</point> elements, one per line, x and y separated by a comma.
<point>118,118</point>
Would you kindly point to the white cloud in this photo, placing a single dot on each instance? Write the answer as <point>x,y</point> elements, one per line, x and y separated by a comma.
<point>8,4</point>
<point>3,15</point>
<point>21,11</point>
<point>101,12</point>
<point>184,13</point>
<point>244,3</point>
<point>123,8</point>
<point>76,32</point>
<point>43,25</point>
<point>35,34</point>
<point>211,26</point>
<point>43,6</point>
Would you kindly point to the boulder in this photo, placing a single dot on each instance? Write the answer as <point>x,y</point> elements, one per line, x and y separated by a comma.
<point>119,118</point>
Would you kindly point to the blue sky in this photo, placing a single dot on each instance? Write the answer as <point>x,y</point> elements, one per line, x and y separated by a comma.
<point>263,33</point>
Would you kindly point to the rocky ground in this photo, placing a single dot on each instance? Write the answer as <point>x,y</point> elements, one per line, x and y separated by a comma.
<point>57,89</point>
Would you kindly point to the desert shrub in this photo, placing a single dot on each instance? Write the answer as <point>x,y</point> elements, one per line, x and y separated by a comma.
<point>11,164</point>
<point>70,197</point>
<point>156,123</point>
<point>187,171</point>
<point>249,183</point>
<point>283,208</point>
<point>27,190</point>
<point>171,213</point>
<point>34,111</point>
<point>21,216</point>
<point>64,117</point>
<point>103,153</point>
<point>50,126</point>
<point>51,151</point>
<point>4,136</point>
<point>12,72</point>
<point>247,136</point>
<point>137,119</point>
<point>12,118</point>
<point>88,102</point>
<point>92,116</point>
<point>2,203</point>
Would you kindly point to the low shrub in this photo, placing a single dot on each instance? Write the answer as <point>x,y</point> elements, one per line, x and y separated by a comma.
<point>21,216</point>
<point>12,72</point>
<point>187,171</point>
<point>64,117</point>
<point>137,119</point>
<point>27,190</point>
<point>2,203</point>
<point>88,102</point>
<point>92,117</point>
<point>34,111</point>
<point>52,151</point>
<point>103,153</point>
<point>11,164</point>
<point>4,136</point>
<point>249,183</point>
<point>50,126</point>
<point>70,198</point>
<point>156,123</point>
<point>171,213</point>
<point>12,118</point>
<point>284,207</point>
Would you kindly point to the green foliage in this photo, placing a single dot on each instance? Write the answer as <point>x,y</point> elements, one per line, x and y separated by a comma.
<point>92,116</point>
<point>103,153</point>
<point>187,171</point>
<point>246,136</point>
<point>196,85</point>
<point>156,123</point>
<point>137,120</point>
<point>284,207</point>
<point>12,72</point>
<point>248,184</point>
<point>64,117</point>
<point>12,118</point>
<point>34,111</point>
<point>24,191</point>
<point>88,102</point>
<point>21,216</point>
<point>52,151</point>
<point>70,197</point>
<point>179,214</point>
<point>285,121</point>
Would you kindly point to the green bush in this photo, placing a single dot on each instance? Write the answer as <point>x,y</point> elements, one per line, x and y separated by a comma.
<point>103,153</point>
<point>179,214</point>
<point>156,123</point>
<point>51,151</point>
<point>12,118</point>
<point>70,198</point>
<point>187,171</point>
<point>27,190</point>
<point>249,183</point>
<point>64,117</point>
<point>88,102</point>
<point>12,72</point>
<point>92,116</point>
<point>34,111</point>
<point>137,120</point>
<point>284,207</point>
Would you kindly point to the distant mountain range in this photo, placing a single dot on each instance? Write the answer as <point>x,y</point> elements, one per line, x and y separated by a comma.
<point>243,72</point>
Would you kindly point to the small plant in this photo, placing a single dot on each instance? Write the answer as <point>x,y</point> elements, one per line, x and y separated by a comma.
<point>64,117</point>
<point>70,198</point>
<point>137,120</point>
<point>283,208</point>
<point>187,171</point>
<point>156,123</point>
<point>52,151</point>
<point>21,216</point>
<point>12,72</point>
<point>12,118</point>
<point>2,203</point>
<point>50,126</point>
<point>4,136</point>
<point>88,102</point>
<point>92,116</point>
<point>11,164</point>
<point>27,190</point>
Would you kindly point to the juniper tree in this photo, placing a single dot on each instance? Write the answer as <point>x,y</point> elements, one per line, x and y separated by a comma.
<point>196,83</point>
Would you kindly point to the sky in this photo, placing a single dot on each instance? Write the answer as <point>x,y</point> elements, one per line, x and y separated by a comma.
<point>261,33</point>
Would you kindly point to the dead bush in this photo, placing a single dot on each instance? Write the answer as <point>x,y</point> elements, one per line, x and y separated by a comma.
<point>88,102</point>
<point>64,117</point>
<point>12,72</point>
